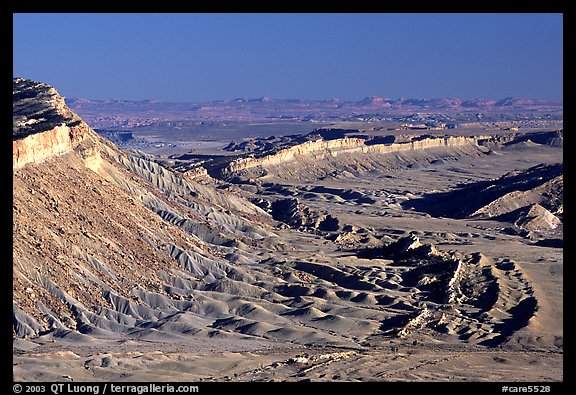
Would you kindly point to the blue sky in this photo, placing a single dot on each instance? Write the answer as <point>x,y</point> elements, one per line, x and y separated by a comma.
<point>200,57</point>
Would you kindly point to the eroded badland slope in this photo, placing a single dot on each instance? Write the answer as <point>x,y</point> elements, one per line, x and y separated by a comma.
<point>127,270</point>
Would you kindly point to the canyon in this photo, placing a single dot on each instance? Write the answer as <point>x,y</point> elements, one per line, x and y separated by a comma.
<point>337,255</point>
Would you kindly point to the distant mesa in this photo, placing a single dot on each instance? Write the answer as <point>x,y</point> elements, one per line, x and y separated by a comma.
<point>79,101</point>
<point>109,113</point>
<point>519,102</point>
<point>376,101</point>
<point>477,103</point>
<point>509,101</point>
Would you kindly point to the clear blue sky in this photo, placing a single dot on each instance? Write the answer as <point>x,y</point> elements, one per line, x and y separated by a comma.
<point>197,57</point>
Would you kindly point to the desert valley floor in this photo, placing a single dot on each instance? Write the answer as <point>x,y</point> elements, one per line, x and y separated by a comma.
<point>429,258</point>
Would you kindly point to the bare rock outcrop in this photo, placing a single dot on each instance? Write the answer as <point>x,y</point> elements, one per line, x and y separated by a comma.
<point>537,218</point>
<point>296,215</point>
<point>321,149</point>
<point>43,126</point>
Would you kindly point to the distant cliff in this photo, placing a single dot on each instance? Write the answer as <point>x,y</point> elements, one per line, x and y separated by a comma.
<point>42,125</point>
<point>321,148</point>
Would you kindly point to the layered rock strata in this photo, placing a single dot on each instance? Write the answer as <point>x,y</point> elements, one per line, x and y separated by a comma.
<point>42,124</point>
<point>322,148</point>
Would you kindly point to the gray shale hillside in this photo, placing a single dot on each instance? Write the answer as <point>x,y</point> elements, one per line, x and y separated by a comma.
<point>110,245</point>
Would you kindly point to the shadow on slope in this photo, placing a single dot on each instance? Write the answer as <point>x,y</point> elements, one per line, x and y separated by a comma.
<point>466,199</point>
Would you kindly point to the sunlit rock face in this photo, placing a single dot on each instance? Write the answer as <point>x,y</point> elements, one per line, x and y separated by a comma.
<point>42,124</point>
<point>322,148</point>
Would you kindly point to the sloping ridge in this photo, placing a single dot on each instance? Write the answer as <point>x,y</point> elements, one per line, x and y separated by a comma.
<point>322,157</point>
<point>94,226</point>
<point>542,184</point>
